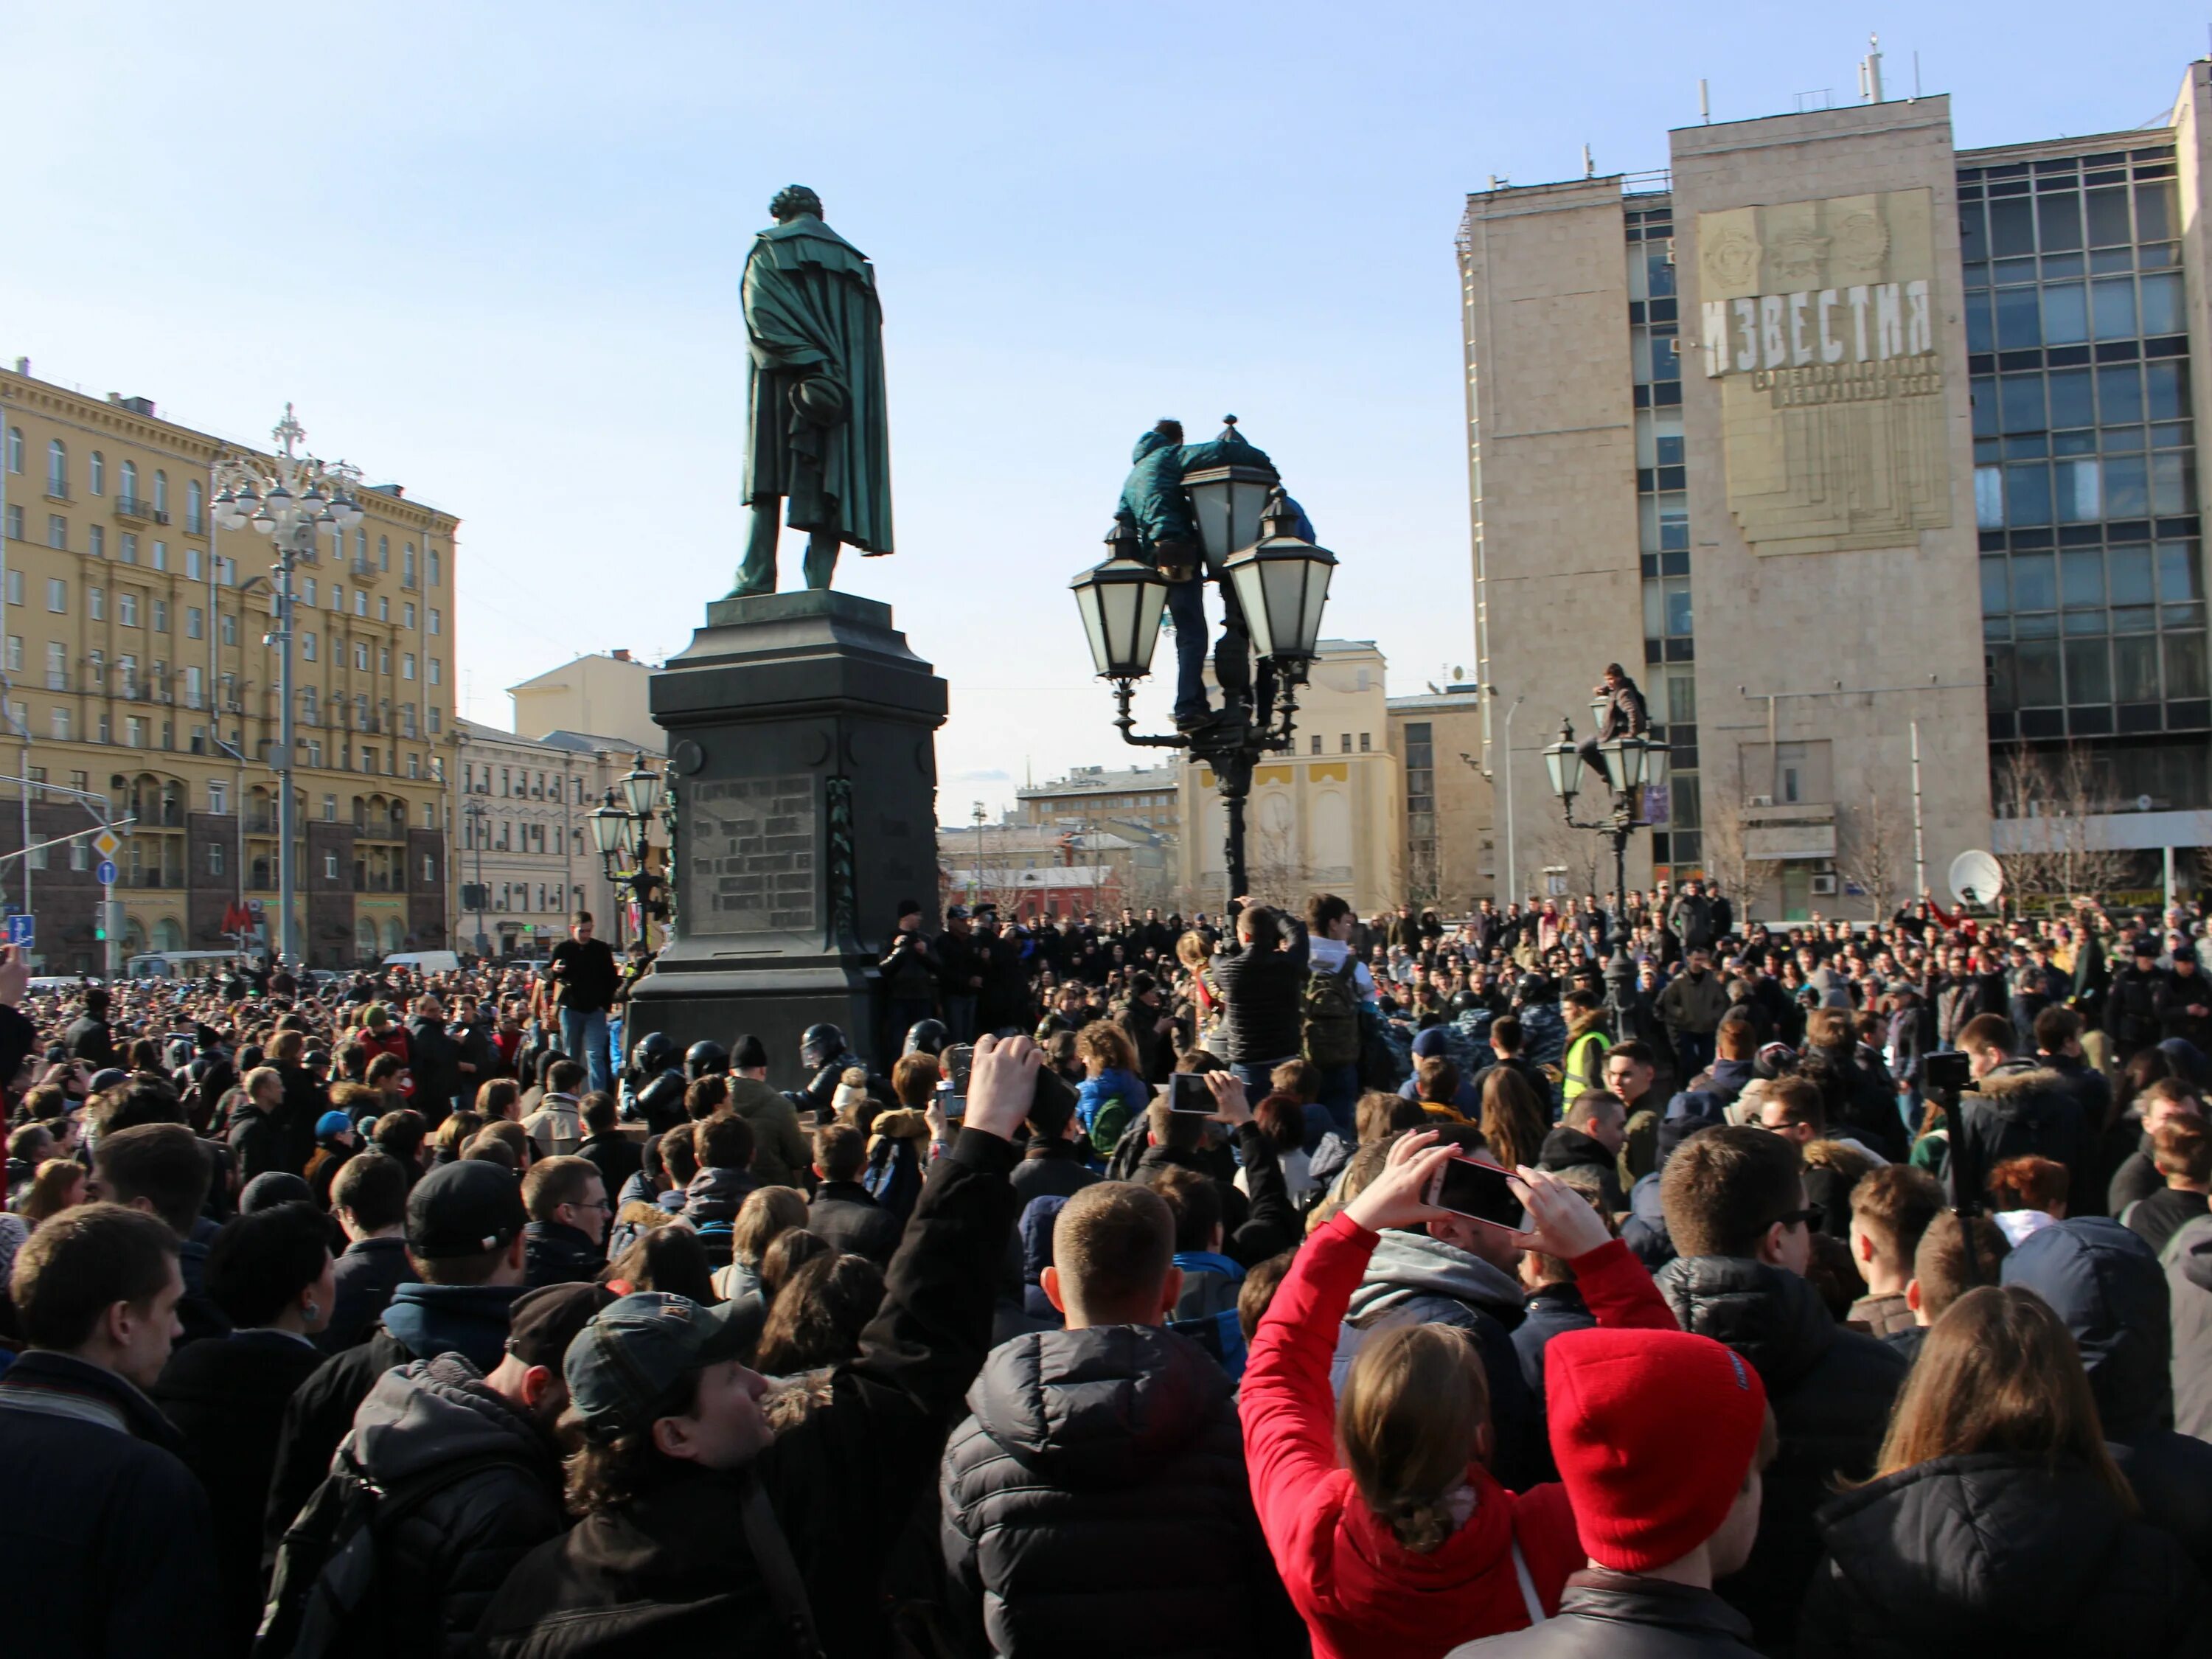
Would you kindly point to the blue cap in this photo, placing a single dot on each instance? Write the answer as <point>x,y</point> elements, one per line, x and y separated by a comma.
<point>332,1123</point>
<point>626,1366</point>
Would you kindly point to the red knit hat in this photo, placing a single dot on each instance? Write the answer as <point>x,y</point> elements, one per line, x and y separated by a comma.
<point>1653,1431</point>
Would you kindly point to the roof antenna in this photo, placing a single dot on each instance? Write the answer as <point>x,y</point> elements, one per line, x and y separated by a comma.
<point>1589,164</point>
<point>1870,72</point>
<point>1705,102</point>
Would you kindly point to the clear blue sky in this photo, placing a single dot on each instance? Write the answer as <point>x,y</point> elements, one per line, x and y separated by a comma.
<point>492,251</point>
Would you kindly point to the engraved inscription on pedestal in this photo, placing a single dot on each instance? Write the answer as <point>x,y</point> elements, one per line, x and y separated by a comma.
<point>751,857</point>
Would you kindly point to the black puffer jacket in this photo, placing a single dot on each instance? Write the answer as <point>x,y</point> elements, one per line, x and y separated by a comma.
<point>1086,1452</point>
<point>2103,1281</point>
<point>1830,1389</point>
<point>2022,1109</point>
<point>1262,996</point>
<point>1996,1554</point>
<point>442,1561</point>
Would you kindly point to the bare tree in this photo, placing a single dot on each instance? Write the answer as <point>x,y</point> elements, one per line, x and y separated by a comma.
<point>1872,846</point>
<point>1584,855</point>
<point>2052,796</point>
<point>1273,868</point>
<point>1726,844</point>
<point>1421,875</point>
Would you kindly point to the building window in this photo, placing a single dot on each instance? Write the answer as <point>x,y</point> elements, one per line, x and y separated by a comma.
<point>436,566</point>
<point>437,672</point>
<point>56,595</point>
<point>131,481</point>
<point>14,522</point>
<point>95,602</point>
<point>330,866</point>
<point>407,566</point>
<point>214,858</point>
<point>407,614</point>
<point>307,644</point>
<point>57,532</point>
<point>383,660</point>
<point>14,653</point>
<point>56,665</point>
<point>161,555</point>
<point>134,731</point>
<point>229,629</point>
<point>1365,742</point>
<point>95,467</point>
<point>361,602</point>
<point>1343,740</point>
<point>383,608</point>
<point>96,541</point>
<point>161,491</point>
<point>59,725</point>
<point>14,449</point>
<point>58,469</point>
<point>126,609</point>
<point>129,545</point>
<point>195,623</point>
<point>161,615</point>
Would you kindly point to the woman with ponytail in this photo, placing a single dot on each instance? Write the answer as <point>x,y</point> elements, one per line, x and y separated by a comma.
<point>1390,1532</point>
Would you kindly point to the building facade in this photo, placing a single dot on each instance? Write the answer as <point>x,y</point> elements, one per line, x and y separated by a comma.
<point>137,671</point>
<point>1451,855</point>
<point>605,694</point>
<point>523,837</point>
<point>1876,462</point>
<point>1329,815</point>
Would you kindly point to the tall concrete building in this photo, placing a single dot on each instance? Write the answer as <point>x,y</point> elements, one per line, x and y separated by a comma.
<point>1876,462</point>
<point>136,656</point>
<point>604,694</point>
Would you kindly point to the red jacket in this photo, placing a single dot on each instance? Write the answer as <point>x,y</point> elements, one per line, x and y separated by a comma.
<point>1363,1595</point>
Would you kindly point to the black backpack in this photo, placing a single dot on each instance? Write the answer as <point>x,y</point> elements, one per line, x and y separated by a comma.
<point>327,1600</point>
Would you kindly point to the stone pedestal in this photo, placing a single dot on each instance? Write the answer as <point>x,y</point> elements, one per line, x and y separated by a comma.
<point>802,753</point>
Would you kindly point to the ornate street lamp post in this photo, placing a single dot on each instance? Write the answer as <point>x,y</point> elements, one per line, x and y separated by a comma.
<point>1636,764</point>
<point>1274,585</point>
<point>287,497</point>
<point>621,832</point>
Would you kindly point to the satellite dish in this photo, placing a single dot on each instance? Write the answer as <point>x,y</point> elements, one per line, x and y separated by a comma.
<point>1976,877</point>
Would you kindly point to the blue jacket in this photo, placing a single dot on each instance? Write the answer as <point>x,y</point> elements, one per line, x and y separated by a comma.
<point>2106,1283</point>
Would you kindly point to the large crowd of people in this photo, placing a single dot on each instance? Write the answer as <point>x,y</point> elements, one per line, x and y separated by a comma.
<point>1538,1281</point>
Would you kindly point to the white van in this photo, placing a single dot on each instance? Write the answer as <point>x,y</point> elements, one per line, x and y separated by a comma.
<point>426,963</point>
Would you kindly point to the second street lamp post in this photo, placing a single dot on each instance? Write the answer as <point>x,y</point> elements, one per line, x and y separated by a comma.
<point>1635,763</point>
<point>1273,584</point>
<point>288,496</point>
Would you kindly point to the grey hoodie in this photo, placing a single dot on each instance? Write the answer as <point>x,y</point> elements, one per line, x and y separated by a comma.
<point>1414,1279</point>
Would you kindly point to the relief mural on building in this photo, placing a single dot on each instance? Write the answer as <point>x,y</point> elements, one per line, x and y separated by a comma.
<point>1818,318</point>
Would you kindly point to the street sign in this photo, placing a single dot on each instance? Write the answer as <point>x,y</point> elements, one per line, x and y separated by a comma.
<point>106,844</point>
<point>23,931</point>
<point>104,874</point>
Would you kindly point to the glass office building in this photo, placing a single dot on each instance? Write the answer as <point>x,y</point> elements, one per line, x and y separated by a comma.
<point>1873,447</point>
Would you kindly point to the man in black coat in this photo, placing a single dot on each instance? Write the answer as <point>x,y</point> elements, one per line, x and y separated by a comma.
<point>663,1559</point>
<point>474,1458</point>
<point>89,1038</point>
<point>1262,983</point>
<point>2133,1004</point>
<point>106,1535</point>
<point>1106,1443</point>
<point>1055,1165</point>
<point>434,1060</point>
<point>845,1213</point>
<point>270,1272</point>
<point>462,1305</point>
<point>588,979</point>
<point>368,1199</point>
<point>1734,1203</point>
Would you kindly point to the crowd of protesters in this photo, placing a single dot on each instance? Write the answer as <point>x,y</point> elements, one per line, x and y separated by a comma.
<point>1281,1282</point>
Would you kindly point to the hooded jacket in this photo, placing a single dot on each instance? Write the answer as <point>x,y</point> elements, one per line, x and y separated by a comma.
<point>2022,1107</point>
<point>1992,1554</point>
<point>2103,1281</point>
<point>555,1253</point>
<point>1095,1500</point>
<point>671,1573</point>
<point>420,1322</point>
<point>1360,1591</point>
<point>1412,1279</point>
<point>226,1397</point>
<point>442,1560</point>
<point>1830,1389</point>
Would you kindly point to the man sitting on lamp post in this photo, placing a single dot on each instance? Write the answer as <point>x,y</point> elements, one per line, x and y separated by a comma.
<point>1625,716</point>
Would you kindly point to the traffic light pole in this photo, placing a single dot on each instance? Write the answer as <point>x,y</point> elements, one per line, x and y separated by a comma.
<point>107,928</point>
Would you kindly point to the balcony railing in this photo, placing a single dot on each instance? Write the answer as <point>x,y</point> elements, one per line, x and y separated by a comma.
<point>139,508</point>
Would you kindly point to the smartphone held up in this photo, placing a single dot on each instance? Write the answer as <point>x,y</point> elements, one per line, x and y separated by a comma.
<point>1478,1189</point>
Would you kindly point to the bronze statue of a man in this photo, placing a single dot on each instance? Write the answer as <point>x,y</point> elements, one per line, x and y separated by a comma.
<point>817,432</point>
